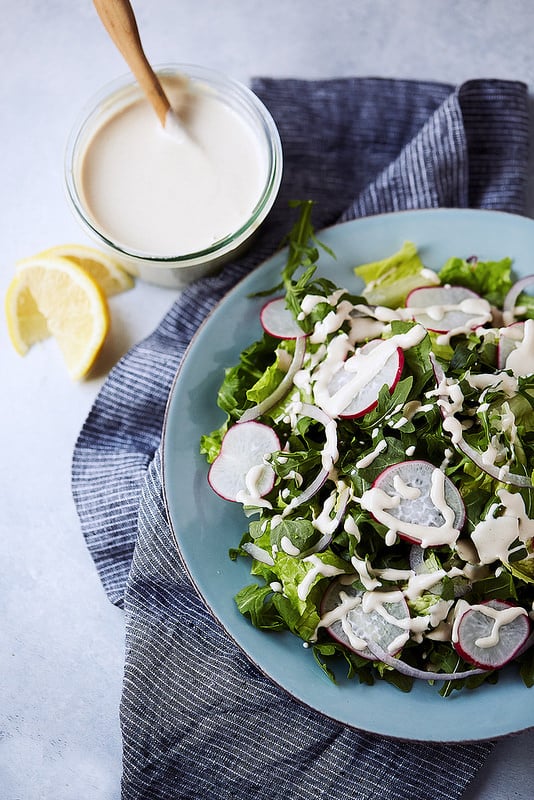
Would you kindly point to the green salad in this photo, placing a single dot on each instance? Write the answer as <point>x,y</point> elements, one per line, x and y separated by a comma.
<point>381,444</point>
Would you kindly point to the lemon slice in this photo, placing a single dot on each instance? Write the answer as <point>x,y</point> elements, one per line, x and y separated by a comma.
<point>109,275</point>
<point>53,296</point>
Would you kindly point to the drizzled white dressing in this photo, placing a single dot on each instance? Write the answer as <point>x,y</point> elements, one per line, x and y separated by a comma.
<point>318,567</point>
<point>521,359</point>
<point>368,459</point>
<point>494,535</point>
<point>364,367</point>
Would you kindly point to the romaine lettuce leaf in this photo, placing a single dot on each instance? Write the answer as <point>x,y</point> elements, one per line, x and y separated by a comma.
<point>389,281</point>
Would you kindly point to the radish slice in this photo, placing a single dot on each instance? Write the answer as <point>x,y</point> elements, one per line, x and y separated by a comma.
<point>239,473</point>
<point>511,298</point>
<point>379,654</point>
<point>283,387</point>
<point>345,616</point>
<point>491,634</point>
<point>509,338</point>
<point>418,501</point>
<point>367,398</point>
<point>278,321</point>
<point>443,309</point>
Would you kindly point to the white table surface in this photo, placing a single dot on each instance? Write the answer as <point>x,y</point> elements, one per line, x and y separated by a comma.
<point>61,641</point>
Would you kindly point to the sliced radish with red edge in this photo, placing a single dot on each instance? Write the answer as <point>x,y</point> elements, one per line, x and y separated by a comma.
<point>442,309</point>
<point>367,397</point>
<point>410,484</point>
<point>476,629</point>
<point>240,467</point>
<point>367,626</point>
<point>278,321</point>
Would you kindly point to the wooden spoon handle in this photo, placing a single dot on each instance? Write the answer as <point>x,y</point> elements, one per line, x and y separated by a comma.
<point>119,21</point>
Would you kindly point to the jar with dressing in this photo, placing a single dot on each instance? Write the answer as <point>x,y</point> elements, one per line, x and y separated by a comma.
<point>174,205</point>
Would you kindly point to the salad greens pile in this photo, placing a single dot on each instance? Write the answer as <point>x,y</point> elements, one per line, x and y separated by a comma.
<point>334,560</point>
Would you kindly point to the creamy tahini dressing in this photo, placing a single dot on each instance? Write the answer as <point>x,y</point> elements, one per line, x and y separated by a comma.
<point>350,527</point>
<point>318,567</point>
<point>521,359</point>
<point>494,535</point>
<point>499,453</point>
<point>167,195</point>
<point>368,459</point>
<point>255,481</point>
<point>324,522</point>
<point>499,380</point>
<point>364,367</point>
<point>500,618</point>
<point>363,569</point>
<point>404,490</point>
<point>288,547</point>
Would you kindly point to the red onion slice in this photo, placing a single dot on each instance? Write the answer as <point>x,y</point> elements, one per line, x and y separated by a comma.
<point>406,669</point>
<point>518,287</point>
<point>283,387</point>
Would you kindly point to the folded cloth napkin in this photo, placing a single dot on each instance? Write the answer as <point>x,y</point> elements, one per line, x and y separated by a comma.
<point>198,719</point>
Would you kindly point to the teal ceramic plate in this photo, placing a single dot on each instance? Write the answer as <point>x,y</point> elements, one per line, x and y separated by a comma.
<point>205,526</point>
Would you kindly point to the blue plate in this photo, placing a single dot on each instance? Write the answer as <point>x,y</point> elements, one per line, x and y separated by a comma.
<point>205,526</point>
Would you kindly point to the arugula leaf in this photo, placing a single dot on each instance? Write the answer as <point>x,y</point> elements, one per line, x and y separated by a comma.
<point>303,254</point>
<point>328,655</point>
<point>300,532</point>
<point>499,587</point>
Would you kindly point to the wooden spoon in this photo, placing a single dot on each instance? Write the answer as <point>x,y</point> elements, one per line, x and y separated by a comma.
<point>119,20</point>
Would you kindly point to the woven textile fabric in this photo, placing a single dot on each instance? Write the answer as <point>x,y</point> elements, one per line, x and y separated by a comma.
<point>198,720</point>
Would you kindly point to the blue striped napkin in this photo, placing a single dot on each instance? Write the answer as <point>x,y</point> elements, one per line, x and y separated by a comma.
<point>198,719</point>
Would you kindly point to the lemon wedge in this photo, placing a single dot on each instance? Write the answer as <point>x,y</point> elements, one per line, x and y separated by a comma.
<point>53,296</point>
<point>109,275</point>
